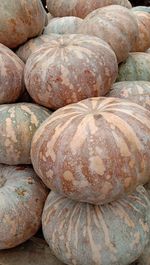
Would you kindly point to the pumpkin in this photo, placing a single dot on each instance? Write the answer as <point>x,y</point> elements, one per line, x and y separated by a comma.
<point>69,69</point>
<point>20,20</point>
<point>18,123</point>
<point>116,25</point>
<point>95,151</point>
<point>80,8</point>
<point>84,234</point>
<point>49,16</point>
<point>136,67</point>
<point>63,25</point>
<point>22,198</point>
<point>25,50</point>
<point>144,258</point>
<point>141,8</point>
<point>136,91</point>
<point>148,51</point>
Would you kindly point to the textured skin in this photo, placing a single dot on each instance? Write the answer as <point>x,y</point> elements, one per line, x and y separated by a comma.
<point>84,234</point>
<point>63,25</point>
<point>136,67</point>
<point>69,69</point>
<point>116,25</point>
<point>95,150</point>
<point>11,76</point>
<point>18,123</point>
<point>20,20</point>
<point>22,198</point>
<point>80,8</point>
<point>25,50</point>
<point>136,91</point>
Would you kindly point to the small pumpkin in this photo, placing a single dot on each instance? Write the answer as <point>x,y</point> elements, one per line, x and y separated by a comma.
<point>84,234</point>
<point>22,198</point>
<point>94,151</point>
<point>18,123</point>
<point>70,68</point>
<point>136,91</point>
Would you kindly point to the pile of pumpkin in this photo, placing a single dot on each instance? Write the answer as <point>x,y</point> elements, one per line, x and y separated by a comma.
<point>76,107</point>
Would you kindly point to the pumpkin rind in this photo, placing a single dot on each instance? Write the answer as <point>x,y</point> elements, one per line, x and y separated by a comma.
<point>84,234</point>
<point>136,91</point>
<point>22,198</point>
<point>95,151</point>
<point>18,123</point>
<point>116,25</point>
<point>69,69</point>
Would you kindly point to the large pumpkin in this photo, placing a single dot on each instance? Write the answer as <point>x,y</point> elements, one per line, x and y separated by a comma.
<point>95,150</point>
<point>20,20</point>
<point>136,67</point>
<point>116,25</point>
<point>18,123</point>
<point>69,69</point>
<point>22,198</point>
<point>136,91</point>
<point>84,234</point>
<point>80,8</point>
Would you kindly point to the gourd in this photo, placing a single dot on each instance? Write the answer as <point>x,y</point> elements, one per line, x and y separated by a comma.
<point>22,198</point>
<point>18,123</point>
<point>70,68</point>
<point>94,151</point>
<point>20,20</point>
<point>84,234</point>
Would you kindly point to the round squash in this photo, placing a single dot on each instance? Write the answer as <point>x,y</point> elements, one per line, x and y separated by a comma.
<point>49,16</point>
<point>18,123</point>
<point>116,25</point>
<point>20,20</point>
<point>84,234</point>
<point>144,258</point>
<point>80,8</point>
<point>25,50</point>
<point>63,25</point>
<point>141,8</point>
<point>22,198</point>
<point>136,67</point>
<point>148,51</point>
<point>136,91</point>
<point>69,69</point>
<point>95,151</point>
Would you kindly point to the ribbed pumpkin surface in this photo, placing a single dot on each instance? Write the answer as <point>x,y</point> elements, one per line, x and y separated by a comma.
<point>22,198</point>
<point>116,25</point>
<point>80,8</point>
<point>94,151</point>
<point>11,76</point>
<point>18,123</point>
<point>84,234</point>
<point>136,91</point>
<point>69,69</point>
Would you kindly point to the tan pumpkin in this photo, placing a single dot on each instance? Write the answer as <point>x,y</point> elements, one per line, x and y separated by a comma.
<point>80,8</point>
<point>94,151</point>
<point>20,20</point>
<point>136,91</point>
<point>69,69</point>
<point>11,76</point>
<point>22,198</point>
<point>84,234</point>
<point>18,123</point>
<point>63,25</point>
<point>116,25</point>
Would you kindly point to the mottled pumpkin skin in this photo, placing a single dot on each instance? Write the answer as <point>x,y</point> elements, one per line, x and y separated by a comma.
<point>69,69</point>
<point>116,25</point>
<point>80,8</point>
<point>136,91</point>
<point>94,151</point>
<point>63,25</point>
<point>25,50</point>
<point>18,123</point>
<point>11,76</point>
<point>136,67</point>
<point>22,198</point>
<point>84,234</point>
<point>20,20</point>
